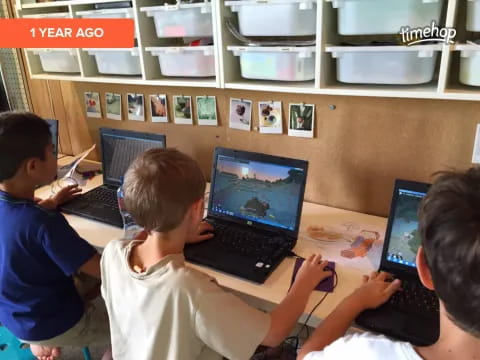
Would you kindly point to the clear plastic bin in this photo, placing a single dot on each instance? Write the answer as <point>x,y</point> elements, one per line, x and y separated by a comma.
<point>276,17</point>
<point>182,20</point>
<point>58,60</point>
<point>473,15</point>
<point>121,13</point>
<point>361,17</point>
<point>276,63</point>
<point>469,64</point>
<point>394,65</point>
<point>59,15</point>
<point>188,61</point>
<point>117,61</point>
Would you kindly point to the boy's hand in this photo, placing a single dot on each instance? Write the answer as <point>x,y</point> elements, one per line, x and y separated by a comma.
<point>375,290</point>
<point>311,272</point>
<point>65,194</point>
<point>204,232</point>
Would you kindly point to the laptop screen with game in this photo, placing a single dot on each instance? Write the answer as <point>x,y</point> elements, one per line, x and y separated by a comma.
<point>255,190</point>
<point>121,147</point>
<point>402,230</point>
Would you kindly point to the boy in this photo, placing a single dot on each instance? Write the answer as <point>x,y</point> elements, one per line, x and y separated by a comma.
<point>39,251</point>
<point>160,309</point>
<point>448,262</point>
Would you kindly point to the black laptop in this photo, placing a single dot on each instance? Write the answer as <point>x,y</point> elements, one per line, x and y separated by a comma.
<point>411,314</point>
<point>119,148</point>
<point>255,205</point>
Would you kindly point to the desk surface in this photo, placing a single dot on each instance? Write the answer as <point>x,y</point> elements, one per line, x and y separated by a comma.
<point>350,271</point>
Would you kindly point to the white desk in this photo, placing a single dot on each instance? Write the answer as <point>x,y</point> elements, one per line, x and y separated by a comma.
<point>265,296</point>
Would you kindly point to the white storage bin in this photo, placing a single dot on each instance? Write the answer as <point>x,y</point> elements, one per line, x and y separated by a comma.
<point>276,17</point>
<point>182,20</point>
<point>473,15</point>
<point>58,60</point>
<point>188,61</point>
<point>395,65</point>
<point>117,61</point>
<point>469,64</point>
<point>121,13</point>
<point>60,15</point>
<point>359,17</point>
<point>276,63</point>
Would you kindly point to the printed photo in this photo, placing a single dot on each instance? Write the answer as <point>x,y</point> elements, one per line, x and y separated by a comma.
<point>301,120</point>
<point>240,114</point>
<point>270,117</point>
<point>183,110</point>
<point>158,107</point>
<point>135,107</point>
<point>114,106</point>
<point>207,110</point>
<point>92,104</point>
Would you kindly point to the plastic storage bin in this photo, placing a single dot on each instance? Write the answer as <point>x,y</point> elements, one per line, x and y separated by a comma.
<point>473,15</point>
<point>58,60</point>
<point>60,15</point>
<point>117,61</point>
<point>276,63</point>
<point>469,64</point>
<point>188,61</point>
<point>182,20</point>
<point>395,65</point>
<point>121,13</point>
<point>276,17</point>
<point>358,17</point>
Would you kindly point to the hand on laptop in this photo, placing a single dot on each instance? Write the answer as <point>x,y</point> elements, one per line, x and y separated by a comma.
<point>65,194</point>
<point>204,232</point>
<point>312,272</point>
<point>375,290</point>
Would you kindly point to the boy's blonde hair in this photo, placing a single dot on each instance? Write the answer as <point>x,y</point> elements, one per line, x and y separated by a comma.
<point>160,186</point>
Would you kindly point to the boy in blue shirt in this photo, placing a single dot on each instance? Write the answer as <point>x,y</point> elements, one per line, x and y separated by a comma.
<point>39,251</point>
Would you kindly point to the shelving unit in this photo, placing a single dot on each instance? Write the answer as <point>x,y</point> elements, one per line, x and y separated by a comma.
<point>445,84</point>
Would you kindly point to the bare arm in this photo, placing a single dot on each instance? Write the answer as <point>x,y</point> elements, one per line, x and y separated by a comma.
<point>374,292</point>
<point>92,266</point>
<point>285,315</point>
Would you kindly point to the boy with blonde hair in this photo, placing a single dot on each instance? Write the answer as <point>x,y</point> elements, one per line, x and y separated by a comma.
<point>161,309</point>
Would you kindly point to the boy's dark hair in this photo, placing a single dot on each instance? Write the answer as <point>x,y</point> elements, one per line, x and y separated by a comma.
<point>22,136</point>
<point>159,187</point>
<point>449,224</point>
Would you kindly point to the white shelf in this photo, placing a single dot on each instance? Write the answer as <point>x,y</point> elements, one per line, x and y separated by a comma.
<point>227,66</point>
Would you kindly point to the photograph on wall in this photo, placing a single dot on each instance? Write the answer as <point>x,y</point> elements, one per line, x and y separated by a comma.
<point>270,117</point>
<point>183,110</point>
<point>240,114</point>
<point>301,120</point>
<point>135,107</point>
<point>92,104</point>
<point>158,108</point>
<point>207,110</point>
<point>114,106</point>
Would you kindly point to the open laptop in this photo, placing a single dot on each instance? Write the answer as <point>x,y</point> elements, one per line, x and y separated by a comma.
<point>255,206</point>
<point>119,148</point>
<point>412,313</point>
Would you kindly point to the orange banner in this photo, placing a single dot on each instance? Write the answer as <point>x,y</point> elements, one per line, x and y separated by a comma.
<point>66,33</point>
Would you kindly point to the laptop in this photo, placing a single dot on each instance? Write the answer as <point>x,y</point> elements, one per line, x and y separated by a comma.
<point>119,148</point>
<point>255,205</point>
<point>411,314</point>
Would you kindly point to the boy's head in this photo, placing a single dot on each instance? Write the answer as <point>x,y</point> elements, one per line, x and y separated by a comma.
<point>161,187</point>
<point>449,224</point>
<point>26,148</point>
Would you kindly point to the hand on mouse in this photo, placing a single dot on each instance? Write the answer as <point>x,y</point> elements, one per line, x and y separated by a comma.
<point>312,272</point>
<point>375,290</point>
<point>203,232</point>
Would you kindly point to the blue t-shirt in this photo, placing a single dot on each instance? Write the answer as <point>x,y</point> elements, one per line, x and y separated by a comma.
<point>39,252</point>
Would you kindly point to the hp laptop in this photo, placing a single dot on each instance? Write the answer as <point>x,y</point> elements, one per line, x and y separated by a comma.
<point>119,148</point>
<point>255,205</point>
<point>412,314</point>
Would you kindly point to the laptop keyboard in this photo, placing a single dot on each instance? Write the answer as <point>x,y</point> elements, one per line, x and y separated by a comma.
<point>102,195</point>
<point>415,298</point>
<point>247,242</point>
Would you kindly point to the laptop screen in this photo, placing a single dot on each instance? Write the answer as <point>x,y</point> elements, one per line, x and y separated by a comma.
<point>257,191</point>
<point>121,147</point>
<point>404,237</point>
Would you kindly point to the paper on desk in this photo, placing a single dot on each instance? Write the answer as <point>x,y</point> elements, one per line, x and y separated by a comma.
<point>68,171</point>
